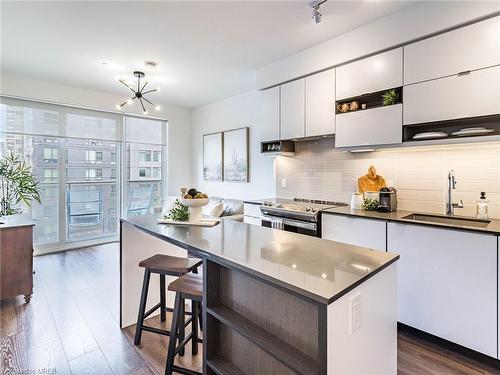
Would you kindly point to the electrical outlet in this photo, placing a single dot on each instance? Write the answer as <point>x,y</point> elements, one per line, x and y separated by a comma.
<point>354,313</point>
<point>283,183</point>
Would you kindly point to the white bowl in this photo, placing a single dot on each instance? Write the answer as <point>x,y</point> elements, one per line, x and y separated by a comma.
<point>194,202</point>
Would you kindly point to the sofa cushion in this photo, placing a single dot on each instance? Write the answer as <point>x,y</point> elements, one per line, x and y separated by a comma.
<point>212,200</point>
<point>232,207</point>
<point>213,209</point>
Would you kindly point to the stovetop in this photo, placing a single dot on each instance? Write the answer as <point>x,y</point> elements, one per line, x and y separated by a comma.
<point>298,207</point>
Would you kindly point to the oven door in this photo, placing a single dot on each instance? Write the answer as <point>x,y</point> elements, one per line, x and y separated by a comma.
<point>290,225</point>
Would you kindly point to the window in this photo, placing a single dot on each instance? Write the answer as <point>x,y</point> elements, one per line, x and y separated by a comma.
<point>143,188</point>
<point>50,175</point>
<point>75,154</point>
<point>93,174</point>
<point>50,155</point>
<point>156,156</point>
<point>92,201</point>
<point>90,156</point>
<point>145,155</point>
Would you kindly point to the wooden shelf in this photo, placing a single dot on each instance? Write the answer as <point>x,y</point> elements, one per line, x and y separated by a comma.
<point>221,366</point>
<point>371,100</point>
<point>278,349</point>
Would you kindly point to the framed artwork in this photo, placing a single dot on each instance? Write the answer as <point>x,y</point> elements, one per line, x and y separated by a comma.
<point>212,157</point>
<point>236,155</point>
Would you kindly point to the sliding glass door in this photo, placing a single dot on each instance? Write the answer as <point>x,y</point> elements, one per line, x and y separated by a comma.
<point>77,159</point>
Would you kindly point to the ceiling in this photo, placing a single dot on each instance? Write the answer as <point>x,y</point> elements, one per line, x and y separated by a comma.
<point>205,50</point>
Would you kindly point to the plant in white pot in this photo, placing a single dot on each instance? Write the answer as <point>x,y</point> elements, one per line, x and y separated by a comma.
<point>17,186</point>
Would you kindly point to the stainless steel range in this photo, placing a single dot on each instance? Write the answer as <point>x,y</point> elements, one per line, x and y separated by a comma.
<point>297,215</point>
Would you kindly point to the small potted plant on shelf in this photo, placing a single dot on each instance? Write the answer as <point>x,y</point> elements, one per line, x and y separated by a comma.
<point>18,187</point>
<point>389,97</point>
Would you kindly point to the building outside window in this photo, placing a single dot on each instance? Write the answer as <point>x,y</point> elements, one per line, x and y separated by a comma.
<point>79,175</point>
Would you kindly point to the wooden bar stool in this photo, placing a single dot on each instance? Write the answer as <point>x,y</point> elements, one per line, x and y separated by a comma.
<point>189,286</point>
<point>164,265</point>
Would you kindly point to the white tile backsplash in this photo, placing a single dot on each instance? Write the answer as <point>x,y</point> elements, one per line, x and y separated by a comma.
<point>319,171</point>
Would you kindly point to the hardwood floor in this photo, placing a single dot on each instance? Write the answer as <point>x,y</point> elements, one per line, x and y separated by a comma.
<point>71,327</point>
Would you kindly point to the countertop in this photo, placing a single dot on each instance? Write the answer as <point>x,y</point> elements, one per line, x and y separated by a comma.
<point>260,201</point>
<point>398,216</point>
<point>15,221</point>
<point>318,269</point>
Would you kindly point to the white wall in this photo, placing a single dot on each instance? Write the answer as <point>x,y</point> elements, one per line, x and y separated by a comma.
<point>179,119</point>
<point>422,19</point>
<point>235,112</point>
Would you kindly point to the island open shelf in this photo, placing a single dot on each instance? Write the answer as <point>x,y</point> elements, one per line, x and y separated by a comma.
<point>254,314</point>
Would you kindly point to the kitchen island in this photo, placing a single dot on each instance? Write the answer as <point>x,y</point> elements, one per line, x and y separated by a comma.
<point>275,301</point>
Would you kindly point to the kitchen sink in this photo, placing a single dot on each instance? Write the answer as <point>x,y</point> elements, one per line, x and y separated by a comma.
<point>449,220</point>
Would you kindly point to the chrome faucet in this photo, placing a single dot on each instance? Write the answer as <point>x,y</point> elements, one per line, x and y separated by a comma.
<point>452,184</point>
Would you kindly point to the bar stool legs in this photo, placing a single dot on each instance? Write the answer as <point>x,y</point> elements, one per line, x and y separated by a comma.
<point>163,299</point>
<point>173,338</point>
<point>187,287</point>
<point>195,314</point>
<point>142,306</point>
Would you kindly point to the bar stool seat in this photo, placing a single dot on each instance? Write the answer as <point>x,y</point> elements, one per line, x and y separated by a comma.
<point>169,265</point>
<point>188,286</point>
<point>163,265</point>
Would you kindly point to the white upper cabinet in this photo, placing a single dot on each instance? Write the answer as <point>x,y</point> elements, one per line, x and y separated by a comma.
<point>377,126</point>
<point>320,103</point>
<point>375,73</point>
<point>269,120</point>
<point>467,48</point>
<point>459,96</point>
<point>293,109</point>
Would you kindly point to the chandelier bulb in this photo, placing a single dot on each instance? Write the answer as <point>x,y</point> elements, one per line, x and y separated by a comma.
<point>145,112</point>
<point>157,107</point>
<point>118,106</point>
<point>157,88</point>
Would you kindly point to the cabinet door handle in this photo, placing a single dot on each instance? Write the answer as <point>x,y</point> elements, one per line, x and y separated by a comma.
<point>464,73</point>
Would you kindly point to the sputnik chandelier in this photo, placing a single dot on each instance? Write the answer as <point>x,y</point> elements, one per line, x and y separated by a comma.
<point>139,93</point>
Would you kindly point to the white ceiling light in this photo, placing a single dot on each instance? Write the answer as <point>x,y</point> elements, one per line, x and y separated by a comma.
<point>150,65</point>
<point>316,10</point>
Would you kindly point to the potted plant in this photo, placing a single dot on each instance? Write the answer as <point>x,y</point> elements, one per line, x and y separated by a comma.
<point>389,97</point>
<point>17,186</point>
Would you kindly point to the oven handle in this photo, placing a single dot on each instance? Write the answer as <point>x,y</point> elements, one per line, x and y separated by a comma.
<point>291,222</point>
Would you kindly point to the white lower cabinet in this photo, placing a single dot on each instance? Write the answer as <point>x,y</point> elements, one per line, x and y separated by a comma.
<point>251,214</point>
<point>447,284</point>
<point>252,220</point>
<point>353,231</point>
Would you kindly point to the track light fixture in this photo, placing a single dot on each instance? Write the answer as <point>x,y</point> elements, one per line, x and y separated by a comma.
<point>315,5</point>
<point>139,93</point>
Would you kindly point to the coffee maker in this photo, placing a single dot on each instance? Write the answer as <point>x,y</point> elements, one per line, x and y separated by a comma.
<point>388,200</point>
